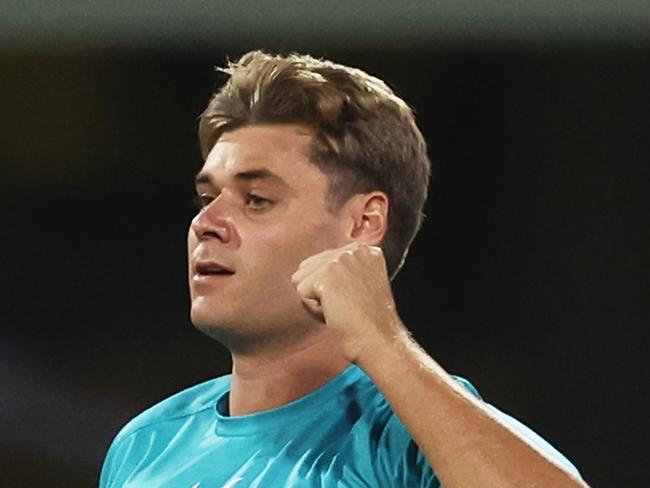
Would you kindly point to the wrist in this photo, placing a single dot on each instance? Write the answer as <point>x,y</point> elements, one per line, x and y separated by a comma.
<point>384,347</point>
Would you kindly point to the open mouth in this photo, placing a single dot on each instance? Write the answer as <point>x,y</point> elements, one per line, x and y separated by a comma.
<point>204,269</point>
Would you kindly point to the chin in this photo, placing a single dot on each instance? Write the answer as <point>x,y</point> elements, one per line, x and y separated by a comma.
<point>205,315</point>
<point>223,322</point>
<point>217,328</point>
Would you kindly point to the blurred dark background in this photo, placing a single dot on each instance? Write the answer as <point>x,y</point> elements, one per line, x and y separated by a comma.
<point>529,277</point>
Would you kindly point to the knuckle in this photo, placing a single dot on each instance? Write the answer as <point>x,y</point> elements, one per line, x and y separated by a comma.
<point>376,251</point>
<point>299,289</point>
<point>365,249</point>
<point>344,255</point>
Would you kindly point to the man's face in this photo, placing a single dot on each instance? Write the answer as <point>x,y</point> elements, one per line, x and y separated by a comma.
<point>263,210</point>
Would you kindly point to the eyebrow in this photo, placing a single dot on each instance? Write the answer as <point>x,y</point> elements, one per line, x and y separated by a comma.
<point>250,175</point>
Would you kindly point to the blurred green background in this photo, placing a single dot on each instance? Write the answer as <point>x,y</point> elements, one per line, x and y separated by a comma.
<point>530,276</point>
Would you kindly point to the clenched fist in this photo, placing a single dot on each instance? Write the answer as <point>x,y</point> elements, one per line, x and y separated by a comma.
<point>349,289</point>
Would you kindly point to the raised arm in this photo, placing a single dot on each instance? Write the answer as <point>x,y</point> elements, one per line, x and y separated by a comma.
<point>467,442</point>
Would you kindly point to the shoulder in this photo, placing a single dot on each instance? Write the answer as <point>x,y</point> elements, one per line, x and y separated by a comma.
<point>366,391</point>
<point>398,459</point>
<point>184,403</point>
<point>467,385</point>
<point>128,448</point>
<point>376,416</point>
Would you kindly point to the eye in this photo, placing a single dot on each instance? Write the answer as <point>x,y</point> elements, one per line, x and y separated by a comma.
<point>202,201</point>
<point>256,202</point>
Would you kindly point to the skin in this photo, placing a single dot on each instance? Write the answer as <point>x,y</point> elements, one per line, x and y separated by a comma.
<point>280,347</point>
<point>310,295</point>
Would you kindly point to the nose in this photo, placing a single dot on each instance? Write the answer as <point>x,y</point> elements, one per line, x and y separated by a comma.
<point>212,222</point>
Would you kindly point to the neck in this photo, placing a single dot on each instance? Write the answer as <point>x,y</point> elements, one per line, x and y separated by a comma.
<point>267,379</point>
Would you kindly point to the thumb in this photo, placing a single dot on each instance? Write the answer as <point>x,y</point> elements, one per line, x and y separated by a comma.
<point>314,307</point>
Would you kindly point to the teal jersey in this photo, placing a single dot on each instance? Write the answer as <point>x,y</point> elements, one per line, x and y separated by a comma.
<point>342,435</point>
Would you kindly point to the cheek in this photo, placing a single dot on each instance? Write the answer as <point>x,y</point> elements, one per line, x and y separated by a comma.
<point>288,245</point>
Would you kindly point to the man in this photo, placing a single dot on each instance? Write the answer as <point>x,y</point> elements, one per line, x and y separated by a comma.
<point>312,190</point>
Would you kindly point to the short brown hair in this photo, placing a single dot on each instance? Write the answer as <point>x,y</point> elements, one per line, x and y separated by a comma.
<point>365,137</point>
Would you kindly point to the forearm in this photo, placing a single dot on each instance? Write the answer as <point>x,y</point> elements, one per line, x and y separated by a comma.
<point>464,442</point>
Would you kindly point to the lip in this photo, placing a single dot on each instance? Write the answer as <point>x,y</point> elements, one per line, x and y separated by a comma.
<point>207,279</point>
<point>203,266</point>
<point>204,272</point>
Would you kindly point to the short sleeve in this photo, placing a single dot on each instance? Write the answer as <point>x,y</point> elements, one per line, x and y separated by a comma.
<point>117,459</point>
<point>108,468</point>
<point>401,463</point>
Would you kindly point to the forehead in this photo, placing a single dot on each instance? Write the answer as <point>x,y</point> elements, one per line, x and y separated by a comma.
<point>280,149</point>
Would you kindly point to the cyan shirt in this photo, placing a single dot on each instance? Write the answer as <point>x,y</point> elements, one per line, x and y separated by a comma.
<point>342,435</point>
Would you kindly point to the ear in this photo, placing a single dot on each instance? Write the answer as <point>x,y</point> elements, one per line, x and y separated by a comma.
<point>369,212</point>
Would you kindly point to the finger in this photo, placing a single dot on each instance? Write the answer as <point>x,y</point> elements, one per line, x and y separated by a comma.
<point>306,269</point>
<point>376,250</point>
<point>308,287</point>
<point>314,307</point>
<point>308,265</point>
<point>312,263</point>
<point>310,296</point>
<point>328,252</point>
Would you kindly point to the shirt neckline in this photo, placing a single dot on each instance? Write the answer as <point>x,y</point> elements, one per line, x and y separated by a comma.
<point>284,415</point>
